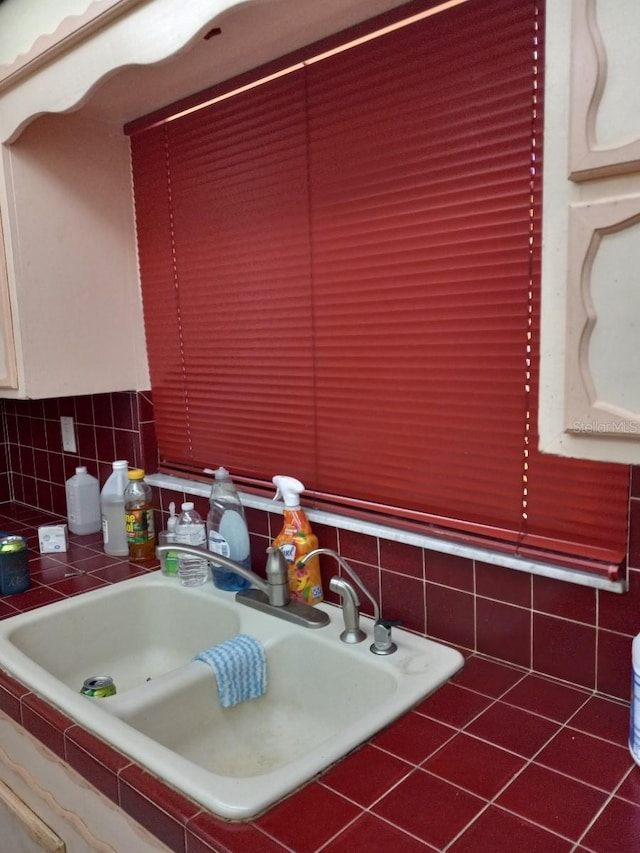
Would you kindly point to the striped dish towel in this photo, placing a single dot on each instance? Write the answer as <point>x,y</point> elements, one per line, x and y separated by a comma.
<point>240,667</point>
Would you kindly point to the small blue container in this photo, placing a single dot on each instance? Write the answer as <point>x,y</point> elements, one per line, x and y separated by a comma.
<point>14,565</point>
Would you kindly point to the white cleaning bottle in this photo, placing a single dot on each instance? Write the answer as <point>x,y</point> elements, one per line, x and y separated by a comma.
<point>114,527</point>
<point>227,532</point>
<point>83,502</point>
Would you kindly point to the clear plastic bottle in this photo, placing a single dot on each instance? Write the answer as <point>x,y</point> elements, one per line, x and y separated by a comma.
<point>192,571</point>
<point>114,528</point>
<point>83,502</point>
<point>227,532</point>
<point>138,510</point>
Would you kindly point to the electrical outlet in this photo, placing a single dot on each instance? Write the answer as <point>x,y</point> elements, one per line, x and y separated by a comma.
<point>68,435</point>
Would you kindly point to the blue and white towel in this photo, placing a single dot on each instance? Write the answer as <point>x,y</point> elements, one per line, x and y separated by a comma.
<point>240,666</point>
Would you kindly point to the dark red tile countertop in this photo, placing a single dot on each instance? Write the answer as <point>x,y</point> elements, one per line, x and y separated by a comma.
<point>499,759</point>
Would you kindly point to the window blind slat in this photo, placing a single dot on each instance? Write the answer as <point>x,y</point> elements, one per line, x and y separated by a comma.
<point>350,258</point>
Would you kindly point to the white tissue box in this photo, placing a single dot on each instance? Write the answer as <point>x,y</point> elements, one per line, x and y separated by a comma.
<point>53,538</point>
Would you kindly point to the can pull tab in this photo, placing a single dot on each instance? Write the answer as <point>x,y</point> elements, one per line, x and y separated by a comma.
<point>382,642</point>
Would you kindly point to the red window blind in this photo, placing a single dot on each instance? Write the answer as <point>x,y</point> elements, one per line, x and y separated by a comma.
<point>341,280</point>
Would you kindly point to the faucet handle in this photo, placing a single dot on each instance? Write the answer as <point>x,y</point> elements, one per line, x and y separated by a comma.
<point>277,577</point>
<point>382,642</point>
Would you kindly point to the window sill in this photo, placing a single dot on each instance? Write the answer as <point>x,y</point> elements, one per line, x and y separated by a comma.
<point>419,540</point>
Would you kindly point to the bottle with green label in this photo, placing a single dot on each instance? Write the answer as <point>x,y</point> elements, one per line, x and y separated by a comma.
<point>138,513</point>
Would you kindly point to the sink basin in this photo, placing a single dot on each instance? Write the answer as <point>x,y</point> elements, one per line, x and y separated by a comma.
<point>132,633</point>
<point>323,697</point>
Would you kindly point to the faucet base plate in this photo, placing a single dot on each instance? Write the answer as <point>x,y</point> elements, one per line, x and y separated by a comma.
<point>295,611</point>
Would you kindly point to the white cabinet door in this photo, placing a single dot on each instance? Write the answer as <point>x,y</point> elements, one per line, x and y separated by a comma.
<point>590,342</point>
<point>7,346</point>
<point>22,830</point>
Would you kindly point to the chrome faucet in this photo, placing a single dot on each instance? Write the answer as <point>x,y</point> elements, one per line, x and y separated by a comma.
<point>382,642</point>
<point>352,633</point>
<point>270,595</point>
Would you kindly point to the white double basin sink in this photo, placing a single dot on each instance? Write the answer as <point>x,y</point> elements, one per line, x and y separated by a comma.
<point>323,697</point>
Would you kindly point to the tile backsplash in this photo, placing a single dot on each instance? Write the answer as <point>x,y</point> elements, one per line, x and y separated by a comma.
<point>574,633</point>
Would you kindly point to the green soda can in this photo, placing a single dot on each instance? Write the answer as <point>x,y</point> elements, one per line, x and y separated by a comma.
<point>98,686</point>
<point>14,565</point>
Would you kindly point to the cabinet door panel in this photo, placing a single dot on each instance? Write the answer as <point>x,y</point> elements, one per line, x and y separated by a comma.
<point>605,97</point>
<point>603,357</point>
<point>8,377</point>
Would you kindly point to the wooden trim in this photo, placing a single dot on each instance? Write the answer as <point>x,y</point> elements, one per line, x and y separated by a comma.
<point>34,834</point>
<point>69,32</point>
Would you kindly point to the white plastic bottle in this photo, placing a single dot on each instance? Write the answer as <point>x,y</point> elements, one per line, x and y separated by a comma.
<point>83,502</point>
<point>190,530</point>
<point>227,532</point>
<point>114,530</point>
<point>634,722</point>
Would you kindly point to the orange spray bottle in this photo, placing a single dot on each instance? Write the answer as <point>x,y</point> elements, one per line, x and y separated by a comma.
<point>295,540</point>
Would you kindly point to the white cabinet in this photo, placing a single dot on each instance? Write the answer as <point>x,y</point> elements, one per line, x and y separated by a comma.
<point>590,354</point>
<point>71,261</point>
<point>8,377</point>
<point>65,187</point>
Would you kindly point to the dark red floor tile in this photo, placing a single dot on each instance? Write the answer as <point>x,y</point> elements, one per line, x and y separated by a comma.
<point>496,830</point>
<point>76,584</point>
<point>475,765</point>
<point>487,676</point>
<point>588,759</point>
<point>616,829</point>
<point>564,650</point>
<point>37,596</point>
<point>413,737</point>
<point>358,546</point>
<point>307,821</point>
<point>553,801</point>
<point>513,729</point>
<point>45,722</point>
<point>7,609</point>
<point>503,584</point>
<point>450,615</point>
<point>53,573</point>
<point>630,788</point>
<point>429,808</point>
<point>365,775</point>
<point>402,558</point>
<point>504,631</point>
<point>403,598</point>
<point>449,570</point>
<point>95,563</point>
<point>95,760</point>
<point>10,693</point>
<point>548,698</point>
<point>120,572</point>
<point>612,661</point>
<point>371,835</point>
<point>160,809</point>
<point>568,601</point>
<point>604,718</point>
<point>453,705</point>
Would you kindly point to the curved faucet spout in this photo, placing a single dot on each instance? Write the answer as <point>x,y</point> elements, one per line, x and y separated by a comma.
<point>269,596</point>
<point>347,568</point>
<point>215,560</point>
